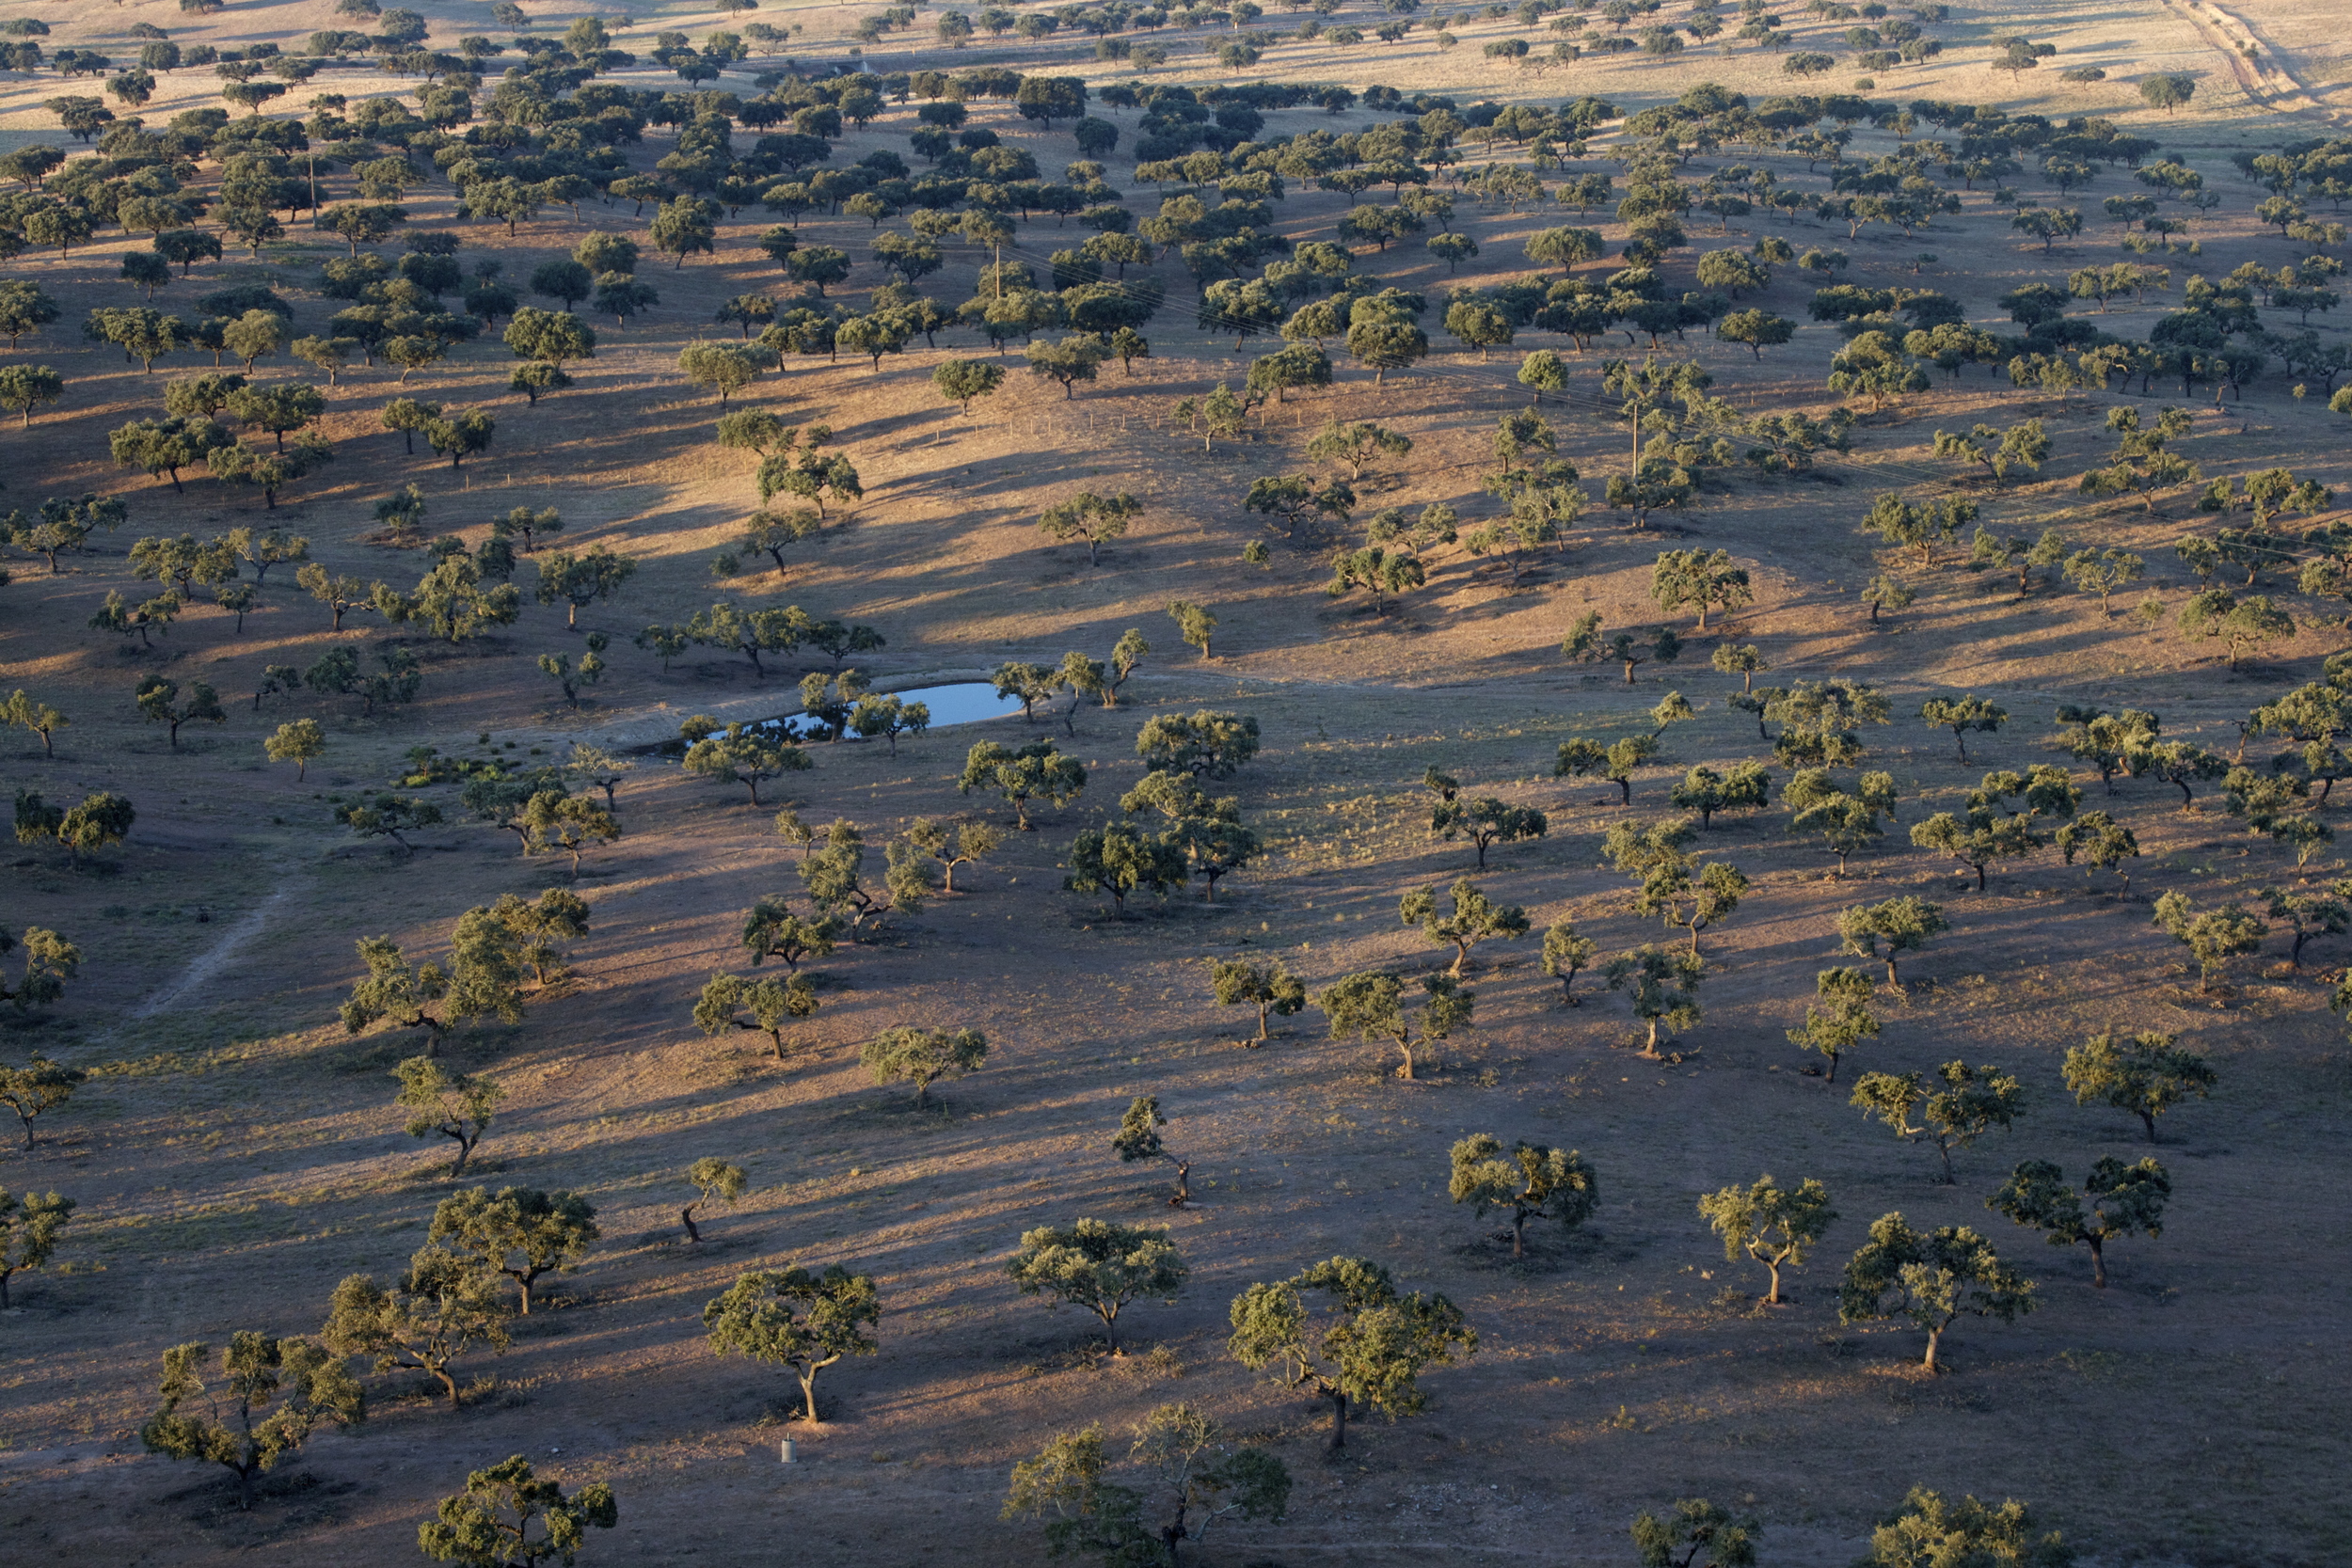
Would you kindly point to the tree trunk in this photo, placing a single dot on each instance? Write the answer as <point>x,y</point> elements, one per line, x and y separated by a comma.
<point>1339,1422</point>
<point>465,1151</point>
<point>1945,1149</point>
<point>1934,1334</point>
<point>447,1382</point>
<point>2098,1261</point>
<point>1519,1233</point>
<point>1772,1297</point>
<point>809,1397</point>
<point>686,1218</point>
<point>1831,1079</point>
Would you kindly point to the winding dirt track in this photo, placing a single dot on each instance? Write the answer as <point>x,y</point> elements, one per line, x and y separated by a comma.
<point>2272,83</point>
<point>210,963</point>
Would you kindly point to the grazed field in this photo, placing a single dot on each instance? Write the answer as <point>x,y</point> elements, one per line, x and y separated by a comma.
<point>235,1152</point>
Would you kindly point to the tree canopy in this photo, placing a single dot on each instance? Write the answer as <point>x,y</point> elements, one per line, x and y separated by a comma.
<point>1342,1331</point>
<point>797,1319</point>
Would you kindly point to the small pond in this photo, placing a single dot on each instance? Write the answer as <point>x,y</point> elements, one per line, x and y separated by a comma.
<point>963,702</point>
<point>960,702</point>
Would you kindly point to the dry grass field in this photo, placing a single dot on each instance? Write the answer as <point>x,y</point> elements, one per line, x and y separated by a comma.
<point>234,1152</point>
